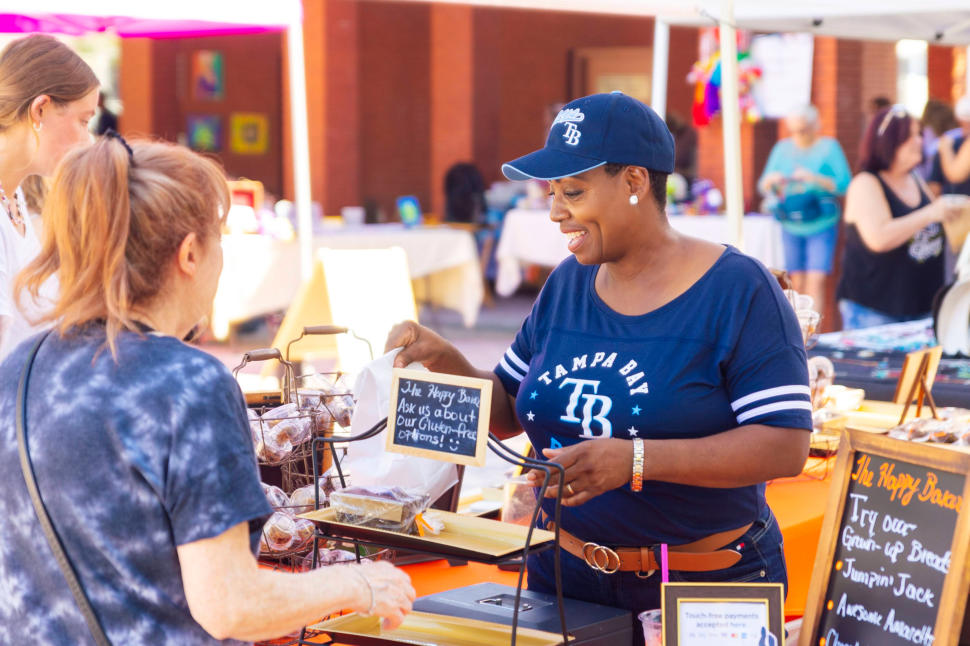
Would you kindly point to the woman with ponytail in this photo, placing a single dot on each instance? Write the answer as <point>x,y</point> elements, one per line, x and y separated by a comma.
<point>47,96</point>
<point>140,444</point>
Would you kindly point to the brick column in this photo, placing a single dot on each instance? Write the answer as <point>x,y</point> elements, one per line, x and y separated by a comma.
<point>332,77</point>
<point>452,94</point>
<point>941,64</point>
<point>135,86</point>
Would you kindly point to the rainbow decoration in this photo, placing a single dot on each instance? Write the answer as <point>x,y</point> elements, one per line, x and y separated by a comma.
<point>705,74</point>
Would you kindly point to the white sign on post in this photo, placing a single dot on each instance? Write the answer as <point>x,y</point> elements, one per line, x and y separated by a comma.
<point>786,72</point>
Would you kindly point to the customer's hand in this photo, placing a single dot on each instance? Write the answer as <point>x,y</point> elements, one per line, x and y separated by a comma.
<point>592,467</point>
<point>802,175</point>
<point>954,206</point>
<point>391,588</point>
<point>772,181</point>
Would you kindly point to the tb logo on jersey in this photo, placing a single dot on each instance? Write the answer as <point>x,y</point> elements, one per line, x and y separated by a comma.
<point>572,134</point>
<point>595,407</point>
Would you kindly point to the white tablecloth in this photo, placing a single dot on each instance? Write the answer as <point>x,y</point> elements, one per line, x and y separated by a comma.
<point>530,238</point>
<point>262,275</point>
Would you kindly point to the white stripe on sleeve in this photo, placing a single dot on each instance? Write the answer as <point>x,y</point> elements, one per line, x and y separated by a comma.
<point>771,408</point>
<point>769,393</point>
<point>512,373</point>
<point>514,358</point>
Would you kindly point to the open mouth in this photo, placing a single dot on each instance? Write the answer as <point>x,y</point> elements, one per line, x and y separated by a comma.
<point>575,239</point>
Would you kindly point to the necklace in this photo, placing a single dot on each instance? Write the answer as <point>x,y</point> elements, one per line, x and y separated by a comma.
<point>18,219</point>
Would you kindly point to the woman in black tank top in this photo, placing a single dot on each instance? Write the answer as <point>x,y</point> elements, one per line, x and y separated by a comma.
<point>893,263</point>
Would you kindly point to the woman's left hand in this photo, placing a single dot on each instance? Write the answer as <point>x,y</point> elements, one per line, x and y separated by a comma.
<point>592,467</point>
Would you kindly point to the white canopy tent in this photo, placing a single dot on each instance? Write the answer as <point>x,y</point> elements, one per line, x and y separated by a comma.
<point>179,18</point>
<point>940,22</point>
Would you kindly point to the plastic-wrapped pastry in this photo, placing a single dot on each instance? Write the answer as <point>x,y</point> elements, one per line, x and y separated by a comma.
<point>273,446</point>
<point>390,508</point>
<point>277,498</point>
<point>303,533</point>
<point>256,426</point>
<point>303,499</point>
<point>341,404</point>
<point>279,533</point>
<point>297,429</point>
<point>821,373</point>
<point>327,557</point>
<point>912,431</point>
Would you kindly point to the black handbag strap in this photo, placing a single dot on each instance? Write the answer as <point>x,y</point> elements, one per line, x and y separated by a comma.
<point>45,520</point>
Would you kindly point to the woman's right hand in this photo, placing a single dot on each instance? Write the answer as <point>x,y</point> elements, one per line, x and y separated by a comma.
<point>948,207</point>
<point>391,588</point>
<point>423,346</point>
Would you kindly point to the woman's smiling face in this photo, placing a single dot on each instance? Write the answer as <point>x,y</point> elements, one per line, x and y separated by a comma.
<point>593,210</point>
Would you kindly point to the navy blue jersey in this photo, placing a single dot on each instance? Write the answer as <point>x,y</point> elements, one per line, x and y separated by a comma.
<point>132,459</point>
<point>725,353</point>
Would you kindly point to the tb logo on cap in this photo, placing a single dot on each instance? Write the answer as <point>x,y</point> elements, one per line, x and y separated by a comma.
<point>570,117</point>
<point>572,134</point>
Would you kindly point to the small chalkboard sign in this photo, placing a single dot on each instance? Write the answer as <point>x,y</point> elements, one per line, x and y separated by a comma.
<point>439,416</point>
<point>892,561</point>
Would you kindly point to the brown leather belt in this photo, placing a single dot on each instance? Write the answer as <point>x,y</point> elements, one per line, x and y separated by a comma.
<point>700,556</point>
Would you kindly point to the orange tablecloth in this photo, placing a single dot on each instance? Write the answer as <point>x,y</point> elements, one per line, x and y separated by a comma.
<point>799,504</point>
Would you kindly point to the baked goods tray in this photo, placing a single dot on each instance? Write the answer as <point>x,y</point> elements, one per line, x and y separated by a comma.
<point>428,629</point>
<point>466,537</point>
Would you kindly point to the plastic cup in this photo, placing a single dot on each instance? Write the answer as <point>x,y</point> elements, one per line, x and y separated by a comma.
<point>652,621</point>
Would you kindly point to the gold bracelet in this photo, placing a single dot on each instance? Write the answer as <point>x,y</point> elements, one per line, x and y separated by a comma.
<point>637,483</point>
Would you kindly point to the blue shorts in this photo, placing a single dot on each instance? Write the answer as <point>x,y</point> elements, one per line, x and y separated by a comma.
<point>855,316</point>
<point>762,561</point>
<point>813,252</point>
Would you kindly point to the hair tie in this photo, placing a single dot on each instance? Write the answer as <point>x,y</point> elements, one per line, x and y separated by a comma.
<point>111,133</point>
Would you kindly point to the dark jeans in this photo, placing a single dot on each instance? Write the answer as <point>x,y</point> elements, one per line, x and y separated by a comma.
<point>762,561</point>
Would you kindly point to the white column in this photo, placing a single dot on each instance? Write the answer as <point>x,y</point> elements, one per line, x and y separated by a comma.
<point>661,58</point>
<point>299,131</point>
<point>731,118</point>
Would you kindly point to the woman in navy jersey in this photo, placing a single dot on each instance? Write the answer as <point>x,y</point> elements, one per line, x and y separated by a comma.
<point>665,373</point>
<point>894,261</point>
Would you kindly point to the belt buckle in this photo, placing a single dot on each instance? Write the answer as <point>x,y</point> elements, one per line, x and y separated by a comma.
<point>591,552</point>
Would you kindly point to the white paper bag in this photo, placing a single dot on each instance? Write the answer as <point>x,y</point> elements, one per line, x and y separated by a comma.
<point>367,462</point>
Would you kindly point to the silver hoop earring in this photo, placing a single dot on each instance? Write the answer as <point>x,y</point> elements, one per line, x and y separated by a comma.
<point>634,200</point>
<point>37,126</point>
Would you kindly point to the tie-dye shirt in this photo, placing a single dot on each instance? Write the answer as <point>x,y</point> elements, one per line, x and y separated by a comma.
<point>132,459</point>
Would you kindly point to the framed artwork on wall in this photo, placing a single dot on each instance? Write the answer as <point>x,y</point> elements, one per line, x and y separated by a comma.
<point>248,133</point>
<point>205,132</point>
<point>208,80</point>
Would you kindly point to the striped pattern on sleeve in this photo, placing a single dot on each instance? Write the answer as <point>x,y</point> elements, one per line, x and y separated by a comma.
<point>750,408</point>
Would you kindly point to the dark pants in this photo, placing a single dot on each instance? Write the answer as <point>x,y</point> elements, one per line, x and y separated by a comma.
<point>762,561</point>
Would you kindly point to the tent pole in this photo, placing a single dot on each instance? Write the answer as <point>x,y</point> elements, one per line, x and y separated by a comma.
<point>731,121</point>
<point>661,57</point>
<point>301,146</point>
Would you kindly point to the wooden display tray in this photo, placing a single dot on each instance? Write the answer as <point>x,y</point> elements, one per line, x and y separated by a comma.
<point>469,537</point>
<point>427,628</point>
<point>878,416</point>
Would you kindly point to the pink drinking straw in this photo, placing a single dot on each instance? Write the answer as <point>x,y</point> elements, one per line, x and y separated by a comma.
<point>664,572</point>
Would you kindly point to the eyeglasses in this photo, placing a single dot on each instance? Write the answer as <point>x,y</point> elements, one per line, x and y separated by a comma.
<point>895,111</point>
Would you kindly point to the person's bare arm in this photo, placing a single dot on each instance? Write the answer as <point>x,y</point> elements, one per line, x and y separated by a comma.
<point>955,163</point>
<point>742,456</point>
<point>233,598</point>
<point>867,208</point>
<point>435,353</point>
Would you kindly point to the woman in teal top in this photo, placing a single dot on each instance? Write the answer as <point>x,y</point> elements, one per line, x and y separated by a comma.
<point>819,162</point>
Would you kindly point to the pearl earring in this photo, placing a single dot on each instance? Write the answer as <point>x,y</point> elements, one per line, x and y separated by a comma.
<point>634,200</point>
<point>37,126</point>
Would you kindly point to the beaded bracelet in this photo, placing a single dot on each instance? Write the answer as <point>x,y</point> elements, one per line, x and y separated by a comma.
<point>637,483</point>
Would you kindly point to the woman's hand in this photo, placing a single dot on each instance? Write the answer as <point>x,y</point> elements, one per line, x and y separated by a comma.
<point>592,467</point>
<point>423,346</point>
<point>385,591</point>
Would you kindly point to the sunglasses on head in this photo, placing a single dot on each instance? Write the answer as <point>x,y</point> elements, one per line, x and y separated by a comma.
<point>895,111</point>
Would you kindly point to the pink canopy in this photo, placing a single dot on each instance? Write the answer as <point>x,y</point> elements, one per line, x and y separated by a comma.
<point>123,26</point>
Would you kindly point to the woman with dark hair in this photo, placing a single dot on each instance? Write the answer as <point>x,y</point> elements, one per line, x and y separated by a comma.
<point>893,262</point>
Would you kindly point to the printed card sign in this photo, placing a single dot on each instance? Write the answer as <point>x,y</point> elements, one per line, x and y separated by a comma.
<point>723,614</point>
<point>890,564</point>
<point>439,416</point>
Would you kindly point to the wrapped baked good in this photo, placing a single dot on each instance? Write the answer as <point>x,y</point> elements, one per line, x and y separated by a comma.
<point>272,445</point>
<point>336,397</point>
<point>303,499</point>
<point>279,533</point>
<point>303,533</point>
<point>390,508</point>
<point>278,500</point>
<point>327,557</point>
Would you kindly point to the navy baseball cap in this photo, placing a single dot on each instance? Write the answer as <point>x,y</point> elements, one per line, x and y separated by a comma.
<point>596,130</point>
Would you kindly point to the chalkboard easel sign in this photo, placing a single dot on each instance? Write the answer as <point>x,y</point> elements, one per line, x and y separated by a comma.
<point>439,416</point>
<point>891,567</point>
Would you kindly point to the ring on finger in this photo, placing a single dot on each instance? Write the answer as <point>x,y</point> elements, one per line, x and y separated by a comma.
<point>569,489</point>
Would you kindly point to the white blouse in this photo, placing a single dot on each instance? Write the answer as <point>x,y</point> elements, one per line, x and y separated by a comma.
<point>16,251</point>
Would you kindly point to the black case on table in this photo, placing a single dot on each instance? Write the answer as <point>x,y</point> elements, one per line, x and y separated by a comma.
<point>589,623</point>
